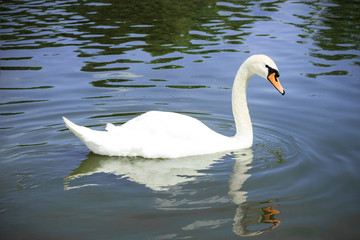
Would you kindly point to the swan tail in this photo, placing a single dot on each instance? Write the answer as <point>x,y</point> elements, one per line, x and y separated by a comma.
<point>91,138</point>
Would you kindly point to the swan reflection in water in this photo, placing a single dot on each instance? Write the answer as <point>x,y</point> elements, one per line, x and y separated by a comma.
<point>249,214</point>
<point>162,174</point>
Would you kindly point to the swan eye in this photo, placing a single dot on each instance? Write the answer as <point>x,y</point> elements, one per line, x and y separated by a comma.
<point>271,71</point>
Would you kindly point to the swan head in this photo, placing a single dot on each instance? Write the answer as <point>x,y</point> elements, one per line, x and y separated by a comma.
<point>266,68</point>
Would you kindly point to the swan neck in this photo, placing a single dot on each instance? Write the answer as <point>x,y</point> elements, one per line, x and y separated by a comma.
<point>239,105</point>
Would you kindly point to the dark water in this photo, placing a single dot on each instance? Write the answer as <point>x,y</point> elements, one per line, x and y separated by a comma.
<point>108,61</point>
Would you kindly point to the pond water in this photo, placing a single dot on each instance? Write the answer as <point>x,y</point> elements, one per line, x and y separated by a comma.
<point>108,61</point>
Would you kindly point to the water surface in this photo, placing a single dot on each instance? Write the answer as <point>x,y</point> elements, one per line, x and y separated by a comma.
<point>109,61</point>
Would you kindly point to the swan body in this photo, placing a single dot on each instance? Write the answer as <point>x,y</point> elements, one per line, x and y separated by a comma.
<point>157,134</point>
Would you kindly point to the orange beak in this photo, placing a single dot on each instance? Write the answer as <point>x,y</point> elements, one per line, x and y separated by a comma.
<point>275,82</point>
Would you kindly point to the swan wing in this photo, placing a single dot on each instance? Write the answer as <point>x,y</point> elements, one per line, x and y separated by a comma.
<point>157,125</point>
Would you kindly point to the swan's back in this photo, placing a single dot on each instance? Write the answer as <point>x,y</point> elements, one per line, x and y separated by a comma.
<point>164,126</point>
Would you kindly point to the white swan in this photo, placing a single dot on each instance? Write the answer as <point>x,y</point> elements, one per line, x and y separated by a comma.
<point>158,134</point>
